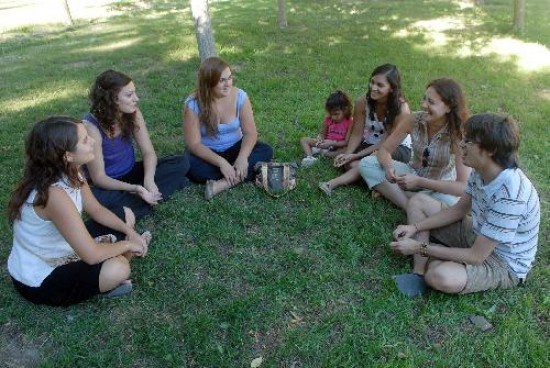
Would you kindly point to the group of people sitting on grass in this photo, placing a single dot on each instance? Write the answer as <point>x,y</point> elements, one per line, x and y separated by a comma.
<point>473,216</point>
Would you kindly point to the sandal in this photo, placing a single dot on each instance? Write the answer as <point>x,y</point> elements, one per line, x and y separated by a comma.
<point>209,191</point>
<point>325,187</point>
<point>107,238</point>
<point>124,288</point>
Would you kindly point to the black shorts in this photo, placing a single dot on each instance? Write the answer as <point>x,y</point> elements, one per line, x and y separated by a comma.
<point>66,285</point>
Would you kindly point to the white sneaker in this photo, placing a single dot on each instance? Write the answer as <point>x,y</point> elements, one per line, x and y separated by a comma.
<point>308,161</point>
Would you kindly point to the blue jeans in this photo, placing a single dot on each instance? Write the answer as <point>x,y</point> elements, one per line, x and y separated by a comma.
<point>170,176</point>
<point>200,171</point>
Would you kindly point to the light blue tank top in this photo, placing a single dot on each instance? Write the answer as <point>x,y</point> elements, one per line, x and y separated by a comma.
<point>228,133</point>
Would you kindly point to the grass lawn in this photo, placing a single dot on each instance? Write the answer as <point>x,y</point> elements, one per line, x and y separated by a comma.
<point>305,280</point>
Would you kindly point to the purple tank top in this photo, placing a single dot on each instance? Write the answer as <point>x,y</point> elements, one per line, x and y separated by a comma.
<point>118,152</point>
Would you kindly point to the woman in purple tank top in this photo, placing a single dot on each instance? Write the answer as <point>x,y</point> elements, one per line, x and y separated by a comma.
<point>114,121</point>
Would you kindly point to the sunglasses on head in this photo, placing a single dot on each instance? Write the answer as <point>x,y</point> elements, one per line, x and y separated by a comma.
<point>425,156</point>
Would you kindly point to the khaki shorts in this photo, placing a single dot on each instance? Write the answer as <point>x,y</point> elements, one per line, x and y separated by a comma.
<point>491,274</point>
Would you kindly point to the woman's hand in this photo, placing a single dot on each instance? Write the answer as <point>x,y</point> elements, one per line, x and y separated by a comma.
<point>319,140</point>
<point>404,231</point>
<point>147,196</point>
<point>408,181</point>
<point>139,244</point>
<point>151,186</point>
<point>229,173</point>
<point>325,143</point>
<point>133,236</point>
<point>344,158</point>
<point>390,174</point>
<point>241,168</point>
<point>405,246</point>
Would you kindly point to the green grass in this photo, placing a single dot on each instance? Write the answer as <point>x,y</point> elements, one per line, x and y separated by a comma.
<point>305,280</point>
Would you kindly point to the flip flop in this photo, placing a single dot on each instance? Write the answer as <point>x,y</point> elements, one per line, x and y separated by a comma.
<point>107,238</point>
<point>209,191</point>
<point>411,284</point>
<point>325,188</point>
<point>122,289</point>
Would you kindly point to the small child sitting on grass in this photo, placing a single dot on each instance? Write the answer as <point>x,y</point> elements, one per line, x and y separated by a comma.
<point>334,131</point>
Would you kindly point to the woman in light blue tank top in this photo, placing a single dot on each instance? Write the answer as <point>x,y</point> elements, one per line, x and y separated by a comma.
<point>219,131</point>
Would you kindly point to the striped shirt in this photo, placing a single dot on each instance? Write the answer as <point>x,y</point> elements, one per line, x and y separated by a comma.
<point>507,210</point>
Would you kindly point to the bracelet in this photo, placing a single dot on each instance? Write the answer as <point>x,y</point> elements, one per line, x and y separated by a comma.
<point>423,250</point>
<point>416,227</point>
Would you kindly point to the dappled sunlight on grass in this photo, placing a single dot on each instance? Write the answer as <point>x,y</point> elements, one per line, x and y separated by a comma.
<point>527,56</point>
<point>114,45</point>
<point>35,98</point>
<point>464,4</point>
<point>439,34</point>
<point>180,55</point>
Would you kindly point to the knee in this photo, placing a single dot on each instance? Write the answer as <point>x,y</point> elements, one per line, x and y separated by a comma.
<point>263,152</point>
<point>370,162</point>
<point>439,279</point>
<point>418,201</point>
<point>115,270</point>
<point>368,165</point>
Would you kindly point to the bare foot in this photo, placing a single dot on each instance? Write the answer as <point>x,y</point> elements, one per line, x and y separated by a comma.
<point>146,236</point>
<point>214,187</point>
<point>129,217</point>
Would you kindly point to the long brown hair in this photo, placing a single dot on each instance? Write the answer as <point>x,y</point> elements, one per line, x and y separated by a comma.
<point>45,148</point>
<point>395,99</point>
<point>209,75</point>
<point>451,94</point>
<point>103,98</point>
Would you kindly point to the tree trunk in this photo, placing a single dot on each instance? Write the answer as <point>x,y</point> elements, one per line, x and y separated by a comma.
<point>68,14</point>
<point>203,29</point>
<point>519,16</point>
<point>282,14</point>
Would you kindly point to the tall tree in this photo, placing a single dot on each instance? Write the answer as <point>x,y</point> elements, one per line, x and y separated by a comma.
<point>68,14</point>
<point>519,16</point>
<point>203,29</point>
<point>282,14</point>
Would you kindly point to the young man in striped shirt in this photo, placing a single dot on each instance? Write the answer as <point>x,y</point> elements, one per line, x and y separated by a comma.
<point>488,239</point>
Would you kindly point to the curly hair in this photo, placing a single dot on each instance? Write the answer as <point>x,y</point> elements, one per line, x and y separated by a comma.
<point>451,94</point>
<point>45,149</point>
<point>209,75</point>
<point>339,101</point>
<point>103,99</point>
<point>395,97</point>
